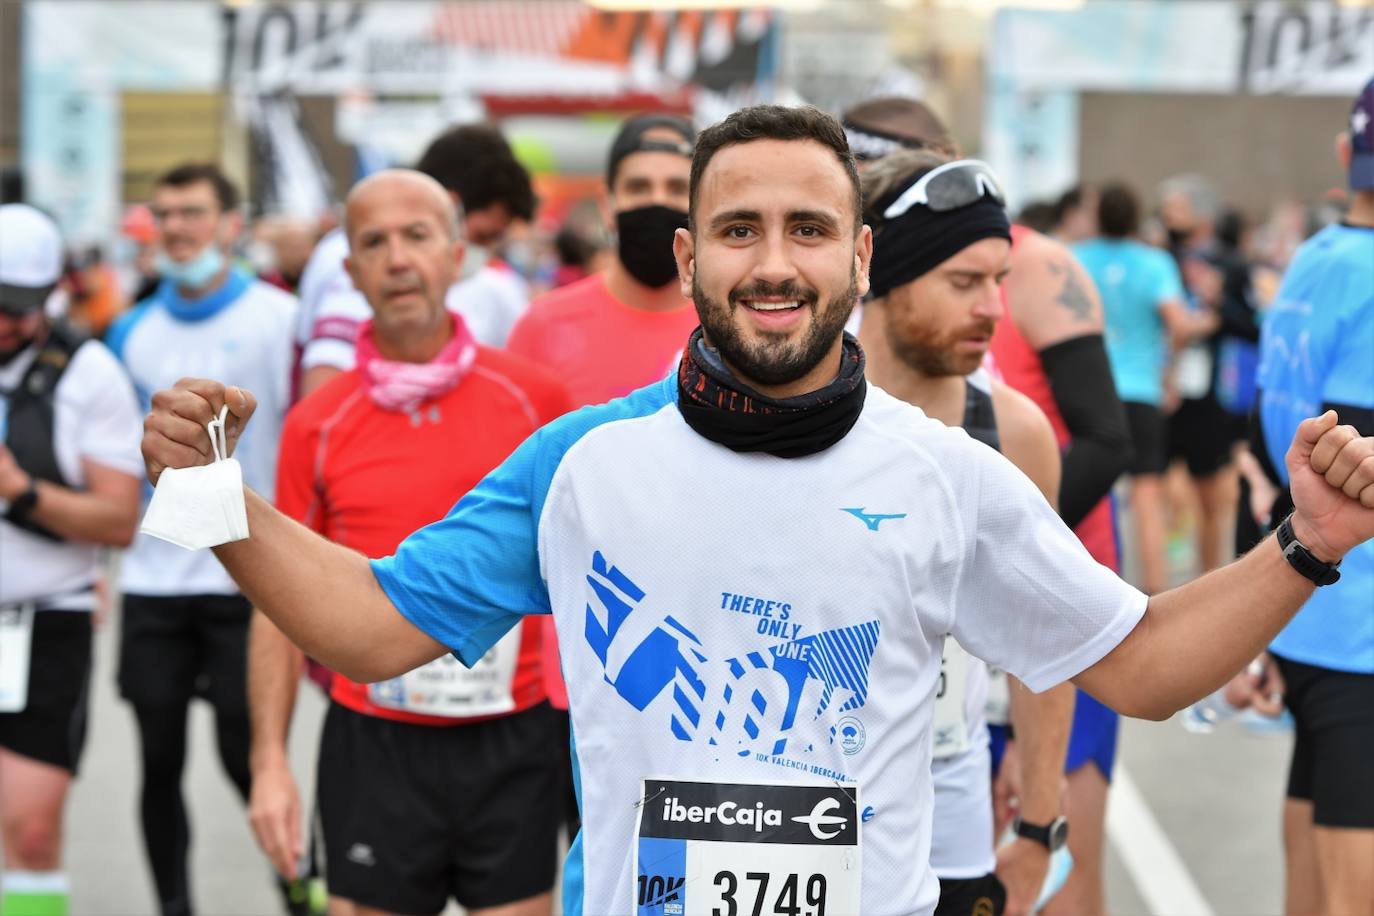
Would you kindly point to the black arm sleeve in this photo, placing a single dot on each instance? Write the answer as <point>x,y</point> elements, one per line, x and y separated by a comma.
<point>1238,315</point>
<point>1099,438</point>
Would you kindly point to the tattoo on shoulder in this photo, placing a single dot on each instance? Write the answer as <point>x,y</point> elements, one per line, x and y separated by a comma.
<point>1073,296</point>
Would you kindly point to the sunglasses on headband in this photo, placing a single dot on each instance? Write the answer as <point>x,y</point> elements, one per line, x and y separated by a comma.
<point>949,187</point>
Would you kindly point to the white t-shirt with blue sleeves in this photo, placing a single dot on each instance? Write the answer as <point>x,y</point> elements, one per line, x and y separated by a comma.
<point>750,620</point>
<point>241,335</point>
<point>1317,348</point>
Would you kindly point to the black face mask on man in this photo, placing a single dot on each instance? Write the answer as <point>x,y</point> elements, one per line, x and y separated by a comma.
<point>645,243</point>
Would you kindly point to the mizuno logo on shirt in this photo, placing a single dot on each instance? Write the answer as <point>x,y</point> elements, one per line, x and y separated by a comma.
<point>872,520</point>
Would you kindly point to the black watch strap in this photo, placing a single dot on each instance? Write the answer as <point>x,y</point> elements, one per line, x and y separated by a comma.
<point>23,504</point>
<point>1301,559</point>
<point>1052,835</point>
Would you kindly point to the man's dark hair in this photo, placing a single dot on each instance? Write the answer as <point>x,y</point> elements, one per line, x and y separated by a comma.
<point>1118,211</point>
<point>1040,215</point>
<point>475,162</point>
<point>904,117</point>
<point>1067,201</point>
<point>774,122</point>
<point>195,172</point>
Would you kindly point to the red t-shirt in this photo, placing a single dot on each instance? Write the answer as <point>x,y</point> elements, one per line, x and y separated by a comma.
<point>601,349</point>
<point>1019,366</point>
<point>366,477</point>
<point>597,346</point>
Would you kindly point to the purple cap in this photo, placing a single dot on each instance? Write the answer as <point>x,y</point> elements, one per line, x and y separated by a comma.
<point>1362,140</point>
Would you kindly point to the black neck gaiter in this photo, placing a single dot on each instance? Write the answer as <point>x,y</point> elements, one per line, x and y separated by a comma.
<point>719,407</point>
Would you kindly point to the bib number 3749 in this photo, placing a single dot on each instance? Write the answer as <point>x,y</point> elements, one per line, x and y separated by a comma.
<point>728,849</point>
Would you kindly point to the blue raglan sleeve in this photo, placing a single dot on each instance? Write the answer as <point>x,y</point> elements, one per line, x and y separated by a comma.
<point>468,578</point>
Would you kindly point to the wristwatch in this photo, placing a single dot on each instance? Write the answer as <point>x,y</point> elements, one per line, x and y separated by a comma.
<point>1301,559</point>
<point>1052,836</point>
<point>19,508</point>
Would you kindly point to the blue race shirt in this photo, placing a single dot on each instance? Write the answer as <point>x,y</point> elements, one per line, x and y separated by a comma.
<point>1317,347</point>
<point>1133,280</point>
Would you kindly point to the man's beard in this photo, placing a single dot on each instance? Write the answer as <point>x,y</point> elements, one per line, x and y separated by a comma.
<point>8,356</point>
<point>775,360</point>
<point>931,353</point>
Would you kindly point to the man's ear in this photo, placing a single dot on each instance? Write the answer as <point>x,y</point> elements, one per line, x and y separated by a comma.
<point>607,204</point>
<point>351,270</point>
<point>233,228</point>
<point>684,251</point>
<point>863,257</point>
<point>1343,150</point>
<point>460,253</point>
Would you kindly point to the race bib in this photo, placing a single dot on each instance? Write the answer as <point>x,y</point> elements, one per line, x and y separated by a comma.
<point>1193,372</point>
<point>998,708</point>
<point>16,639</point>
<point>951,723</point>
<point>447,687</point>
<point>731,849</point>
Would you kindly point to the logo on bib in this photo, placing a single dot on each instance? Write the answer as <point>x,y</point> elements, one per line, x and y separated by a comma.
<point>727,812</point>
<point>820,818</point>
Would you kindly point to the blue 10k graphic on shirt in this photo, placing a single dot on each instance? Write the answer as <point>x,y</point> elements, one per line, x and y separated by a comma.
<point>647,653</point>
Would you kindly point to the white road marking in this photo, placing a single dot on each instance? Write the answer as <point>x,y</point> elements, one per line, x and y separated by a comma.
<point>1154,865</point>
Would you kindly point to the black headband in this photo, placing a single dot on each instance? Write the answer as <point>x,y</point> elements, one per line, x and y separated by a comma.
<point>872,143</point>
<point>921,239</point>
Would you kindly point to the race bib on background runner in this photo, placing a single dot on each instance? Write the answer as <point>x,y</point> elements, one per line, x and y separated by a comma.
<point>951,722</point>
<point>16,641</point>
<point>447,687</point>
<point>734,849</point>
<point>998,708</point>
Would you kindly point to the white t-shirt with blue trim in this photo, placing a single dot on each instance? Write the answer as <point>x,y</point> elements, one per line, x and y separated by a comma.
<point>749,620</point>
<point>241,335</point>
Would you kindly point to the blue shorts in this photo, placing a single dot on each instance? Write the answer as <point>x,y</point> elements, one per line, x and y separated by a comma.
<point>1092,740</point>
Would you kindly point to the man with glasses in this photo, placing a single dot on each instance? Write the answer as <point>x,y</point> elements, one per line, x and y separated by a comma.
<point>753,566</point>
<point>69,484</point>
<point>941,249</point>
<point>1049,346</point>
<point>184,630</point>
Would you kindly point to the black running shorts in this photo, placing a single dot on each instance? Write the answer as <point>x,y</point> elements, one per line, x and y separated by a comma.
<point>52,726</point>
<point>1202,433</point>
<point>1149,438</point>
<point>1333,713</point>
<point>174,648</point>
<point>983,896</point>
<point>415,814</point>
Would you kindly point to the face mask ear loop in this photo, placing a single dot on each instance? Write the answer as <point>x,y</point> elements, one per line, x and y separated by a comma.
<point>218,440</point>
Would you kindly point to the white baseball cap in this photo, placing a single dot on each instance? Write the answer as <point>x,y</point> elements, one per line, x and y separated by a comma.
<point>30,258</point>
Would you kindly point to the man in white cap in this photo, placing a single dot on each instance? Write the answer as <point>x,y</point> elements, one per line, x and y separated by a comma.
<point>69,433</point>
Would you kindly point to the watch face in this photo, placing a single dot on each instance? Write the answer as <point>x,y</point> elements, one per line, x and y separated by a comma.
<point>1059,833</point>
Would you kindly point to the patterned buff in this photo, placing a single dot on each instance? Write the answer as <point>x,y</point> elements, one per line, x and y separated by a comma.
<point>720,408</point>
<point>401,386</point>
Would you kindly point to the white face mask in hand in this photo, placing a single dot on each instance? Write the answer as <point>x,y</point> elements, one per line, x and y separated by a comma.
<point>202,506</point>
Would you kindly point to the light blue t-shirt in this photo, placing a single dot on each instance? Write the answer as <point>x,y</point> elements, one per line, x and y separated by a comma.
<point>1133,280</point>
<point>1317,348</point>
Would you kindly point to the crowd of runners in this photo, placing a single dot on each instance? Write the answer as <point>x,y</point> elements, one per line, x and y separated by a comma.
<point>692,554</point>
